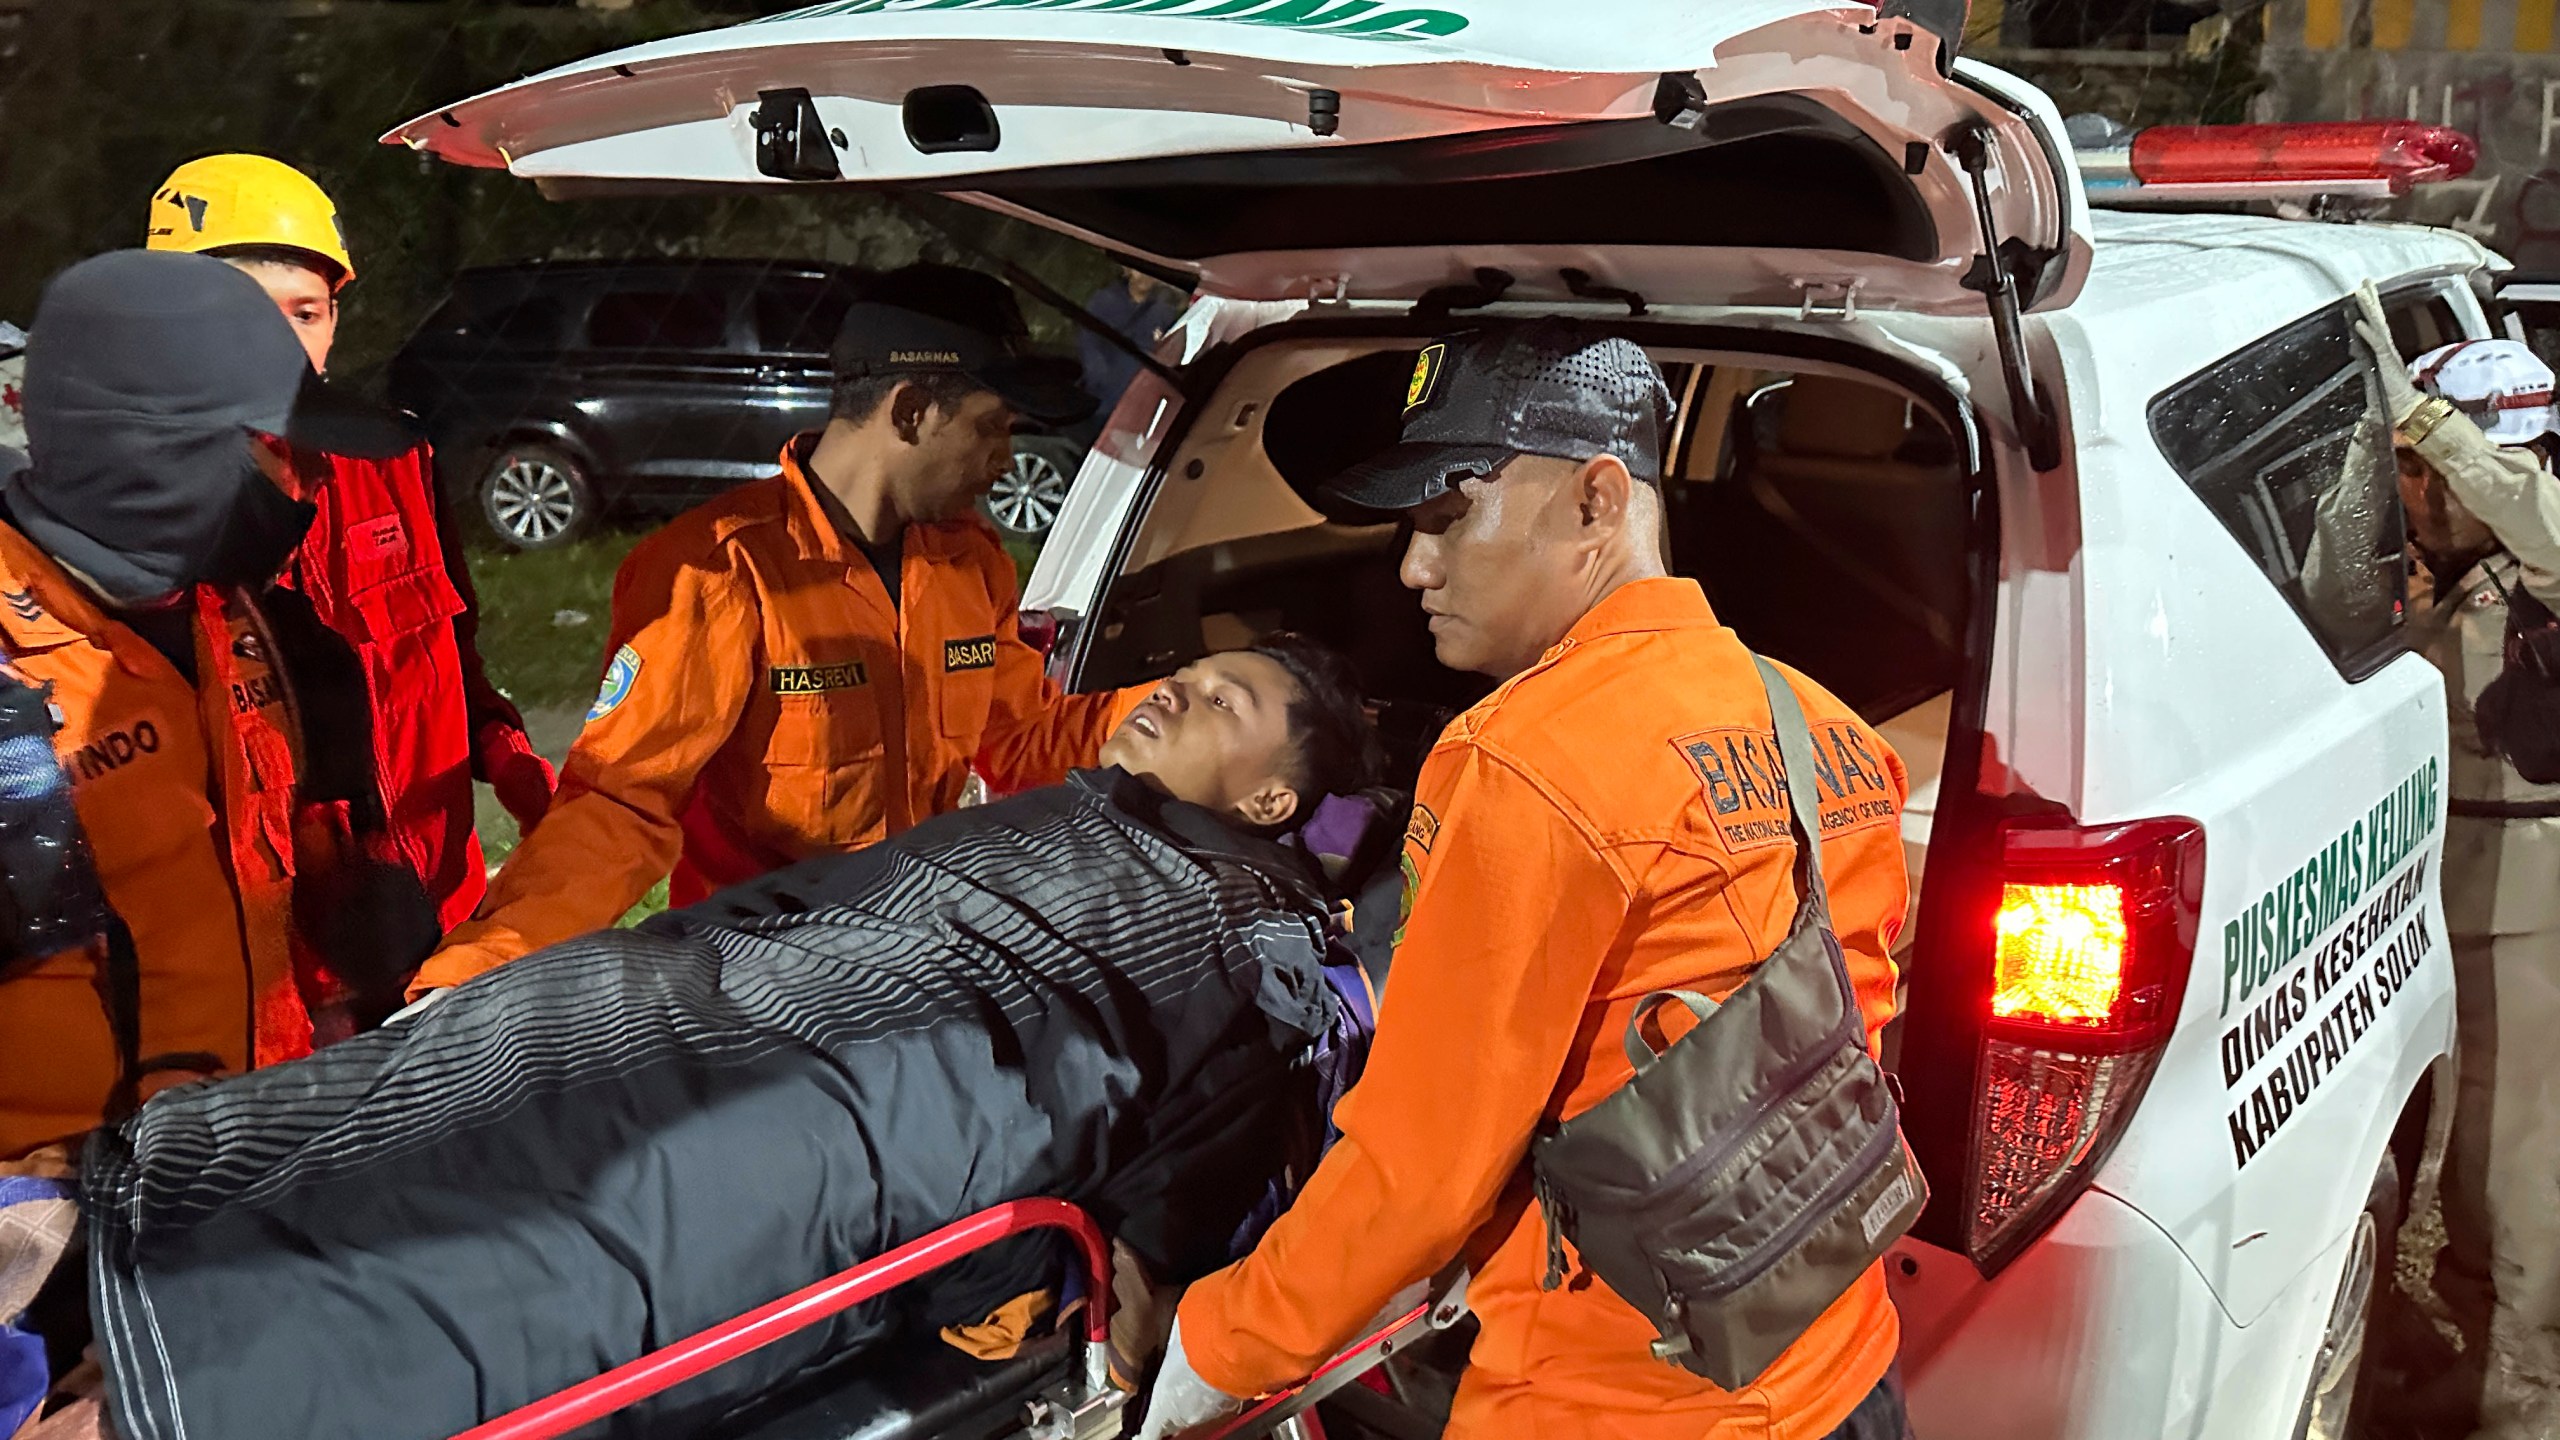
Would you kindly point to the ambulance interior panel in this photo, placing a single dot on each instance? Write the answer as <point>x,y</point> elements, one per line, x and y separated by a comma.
<point>1825,513</point>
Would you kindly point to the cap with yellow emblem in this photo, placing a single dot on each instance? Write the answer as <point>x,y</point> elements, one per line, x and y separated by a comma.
<point>1544,387</point>
<point>224,202</point>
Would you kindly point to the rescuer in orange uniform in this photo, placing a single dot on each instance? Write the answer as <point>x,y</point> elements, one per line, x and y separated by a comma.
<point>376,564</point>
<point>158,504</point>
<point>813,662</point>
<point>1571,851</point>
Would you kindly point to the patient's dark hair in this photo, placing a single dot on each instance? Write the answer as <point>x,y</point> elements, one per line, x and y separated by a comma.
<point>1338,751</point>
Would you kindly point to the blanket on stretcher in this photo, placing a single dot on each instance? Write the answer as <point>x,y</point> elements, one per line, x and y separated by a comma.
<point>1086,991</point>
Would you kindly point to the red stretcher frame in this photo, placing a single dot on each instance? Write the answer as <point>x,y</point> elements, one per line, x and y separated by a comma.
<point>672,1365</point>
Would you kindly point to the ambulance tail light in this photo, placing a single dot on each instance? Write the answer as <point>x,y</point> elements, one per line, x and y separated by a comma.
<point>2370,158</point>
<point>1039,630</point>
<point>2091,939</point>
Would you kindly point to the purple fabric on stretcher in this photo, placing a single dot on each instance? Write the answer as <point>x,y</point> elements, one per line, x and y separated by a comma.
<point>1334,834</point>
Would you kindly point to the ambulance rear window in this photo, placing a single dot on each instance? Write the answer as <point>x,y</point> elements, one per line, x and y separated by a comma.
<point>1808,182</point>
<point>2286,443</point>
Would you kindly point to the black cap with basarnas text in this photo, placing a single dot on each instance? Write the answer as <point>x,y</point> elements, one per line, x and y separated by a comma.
<point>928,318</point>
<point>1543,387</point>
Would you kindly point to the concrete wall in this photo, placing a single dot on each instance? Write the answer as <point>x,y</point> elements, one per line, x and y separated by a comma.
<point>2486,67</point>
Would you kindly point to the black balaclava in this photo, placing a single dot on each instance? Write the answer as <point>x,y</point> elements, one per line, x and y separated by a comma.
<point>148,375</point>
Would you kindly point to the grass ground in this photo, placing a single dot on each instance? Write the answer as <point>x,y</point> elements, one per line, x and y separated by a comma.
<point>543,615</point>
<point>542,626</point>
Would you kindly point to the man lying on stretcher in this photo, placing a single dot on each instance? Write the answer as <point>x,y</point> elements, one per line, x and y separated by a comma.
<point>1104,991</point>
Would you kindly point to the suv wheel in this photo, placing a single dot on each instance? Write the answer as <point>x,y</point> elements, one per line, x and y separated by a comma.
<point>535,497</point>
<point>1026,501</point>
<point>2340,1404</point>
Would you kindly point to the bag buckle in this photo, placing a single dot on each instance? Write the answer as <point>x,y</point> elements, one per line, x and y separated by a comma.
<point>1673,1347</point>
<point>1547,1208</point>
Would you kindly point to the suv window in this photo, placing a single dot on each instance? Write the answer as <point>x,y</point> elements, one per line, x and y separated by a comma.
<point>512,318</point>
<point>799,317</point>
<point>534,322</point>
<point>2420,323</point>
<point>2286,443</point>
<point>669,319</point>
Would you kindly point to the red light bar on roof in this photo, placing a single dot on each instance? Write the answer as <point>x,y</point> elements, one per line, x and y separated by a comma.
<point>2374,158</point>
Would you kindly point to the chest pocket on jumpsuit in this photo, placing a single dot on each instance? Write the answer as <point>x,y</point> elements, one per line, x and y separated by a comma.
<point>404,603</point>
<point>826,710</point>
<point>404,606</point>
<point>826,748</point>
<point>395,579</point>
<point>398,615</point>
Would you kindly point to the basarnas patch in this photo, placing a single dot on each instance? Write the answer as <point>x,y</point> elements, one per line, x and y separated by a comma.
<point>976,653</point>
<point>618,680</point>
<point>1744,783</point>
<point>1422,829</point>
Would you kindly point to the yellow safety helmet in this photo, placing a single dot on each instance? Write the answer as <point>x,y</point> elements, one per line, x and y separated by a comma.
<point>226,200</point>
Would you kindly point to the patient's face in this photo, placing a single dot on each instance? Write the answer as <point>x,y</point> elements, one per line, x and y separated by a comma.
<point>1217,735</point>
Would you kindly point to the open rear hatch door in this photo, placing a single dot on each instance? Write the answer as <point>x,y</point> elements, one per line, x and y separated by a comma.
<point>1743,152</point>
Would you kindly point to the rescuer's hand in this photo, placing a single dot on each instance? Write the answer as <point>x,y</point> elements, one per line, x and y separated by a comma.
<point>1181,1401</point>
<point>522,779</point>
<point>2399,394</point>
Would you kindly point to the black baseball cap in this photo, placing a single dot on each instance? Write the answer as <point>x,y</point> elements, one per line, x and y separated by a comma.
<point>154,338</point>
<point>1541,387</point>
<point>944,318</point>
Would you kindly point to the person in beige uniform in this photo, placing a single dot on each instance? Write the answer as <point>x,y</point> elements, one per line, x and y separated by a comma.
<point>2472,422</point>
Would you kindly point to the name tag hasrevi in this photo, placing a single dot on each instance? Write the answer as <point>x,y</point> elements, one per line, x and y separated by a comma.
<point>818,679</point>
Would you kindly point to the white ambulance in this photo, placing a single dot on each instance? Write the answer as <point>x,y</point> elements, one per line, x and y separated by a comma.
<point>2093,515</point>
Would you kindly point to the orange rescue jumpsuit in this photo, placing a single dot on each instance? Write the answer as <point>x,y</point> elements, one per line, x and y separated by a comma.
<point>765,702</point>
<point>186,793</point>
<point>1606,824</point>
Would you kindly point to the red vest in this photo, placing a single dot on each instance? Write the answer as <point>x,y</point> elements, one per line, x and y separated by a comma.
<point>374,567</point>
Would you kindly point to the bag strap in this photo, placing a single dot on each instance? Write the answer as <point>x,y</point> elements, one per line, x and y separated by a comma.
<point>1804,803</point>
<point>1804,818</point>
<point>119,981</point>
<point>1640,1052</point>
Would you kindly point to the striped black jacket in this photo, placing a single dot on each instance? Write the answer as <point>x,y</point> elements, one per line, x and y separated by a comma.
<point>1085,991</point>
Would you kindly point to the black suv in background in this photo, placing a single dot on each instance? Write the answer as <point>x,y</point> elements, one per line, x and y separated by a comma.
<point>556,391</point>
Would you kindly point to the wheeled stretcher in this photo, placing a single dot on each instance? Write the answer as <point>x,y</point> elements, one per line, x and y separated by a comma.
<point>1058,1388</point>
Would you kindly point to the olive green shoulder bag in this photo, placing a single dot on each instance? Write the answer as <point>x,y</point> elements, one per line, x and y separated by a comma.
<point>1751,1171</point>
